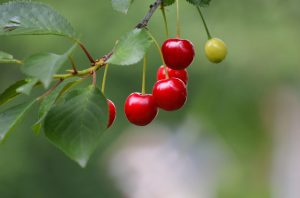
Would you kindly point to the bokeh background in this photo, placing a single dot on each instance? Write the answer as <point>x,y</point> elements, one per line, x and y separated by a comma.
<point>238,135</point>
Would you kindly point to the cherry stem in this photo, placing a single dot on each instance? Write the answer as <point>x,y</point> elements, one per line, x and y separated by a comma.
<point>50,90</point>
<point>166,71</point>
<point>104,78</point>
<point>144,75</point>
<point>177,18</point>
<point>204,22</point>
<point>94,74</point>
<point>87,53</point>
<point>160,52</point>
<point>163,11</point>
<point>74,67</point>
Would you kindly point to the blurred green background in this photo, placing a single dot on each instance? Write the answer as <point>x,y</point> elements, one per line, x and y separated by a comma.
<point>236,136</point>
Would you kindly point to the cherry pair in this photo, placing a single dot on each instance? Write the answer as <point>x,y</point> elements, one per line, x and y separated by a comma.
<point>168,94</point>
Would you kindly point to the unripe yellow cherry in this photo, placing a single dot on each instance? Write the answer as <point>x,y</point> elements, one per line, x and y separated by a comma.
<point>215,50</point>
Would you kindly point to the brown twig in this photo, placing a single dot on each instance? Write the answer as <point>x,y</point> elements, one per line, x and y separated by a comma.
<point>74,68</point>
<point>87,53</point>
<point>94,77</point>
<point>146,19</point>
<point>50,90</point>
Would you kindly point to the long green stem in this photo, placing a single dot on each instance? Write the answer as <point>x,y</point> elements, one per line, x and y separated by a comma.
<point>204,22</point>
<point>104,79</point>
<point>160,52</point>
<point>177,18</point>
<point>163,11</point>
<point>144,75</point>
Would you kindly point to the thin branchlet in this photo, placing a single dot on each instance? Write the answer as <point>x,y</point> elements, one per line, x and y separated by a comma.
<point>153,8</point>
<point>91,59</point>
<point>51,89</point>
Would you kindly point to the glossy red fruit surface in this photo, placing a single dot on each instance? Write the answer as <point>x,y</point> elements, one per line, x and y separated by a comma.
<point>178,53</point>
<point>181,74</point>
<point>112,113</point>
<point>140,109</point>
<point>170,94</point>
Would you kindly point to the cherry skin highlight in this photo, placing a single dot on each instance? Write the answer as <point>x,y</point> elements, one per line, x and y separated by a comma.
<point>140,109</point>
<point>112,113</point>
<point>170,94</point>
<point>178,53</point>
<point>181,74</point>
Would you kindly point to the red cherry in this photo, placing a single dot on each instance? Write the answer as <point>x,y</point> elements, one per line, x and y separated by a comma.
<point>112,113</point>
<point>140,109</point>
<point>181,74</point>
<point>170,94</point>
<point>178,53</point>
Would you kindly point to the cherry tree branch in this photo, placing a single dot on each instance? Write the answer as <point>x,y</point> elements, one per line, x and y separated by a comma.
<point>153,8</point>
<point>97,64</point>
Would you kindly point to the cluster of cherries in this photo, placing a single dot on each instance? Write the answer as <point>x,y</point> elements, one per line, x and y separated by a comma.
<point>169,92</point>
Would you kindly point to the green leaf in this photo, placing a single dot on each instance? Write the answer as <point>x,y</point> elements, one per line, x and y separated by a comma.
<point>50,100</point>
<point>19,87</point>
<point>44,65</point>
<point>69,86</point>
<point>11,117</point>
<point>122,5</point>
<point>10,93</point>
<point>76,125</point>
<point>202,3</point>
<point>32,18</point>
<point>131,48</point>
<point>168,2</point>
<point>7,58</point>
<point>26,89</point>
